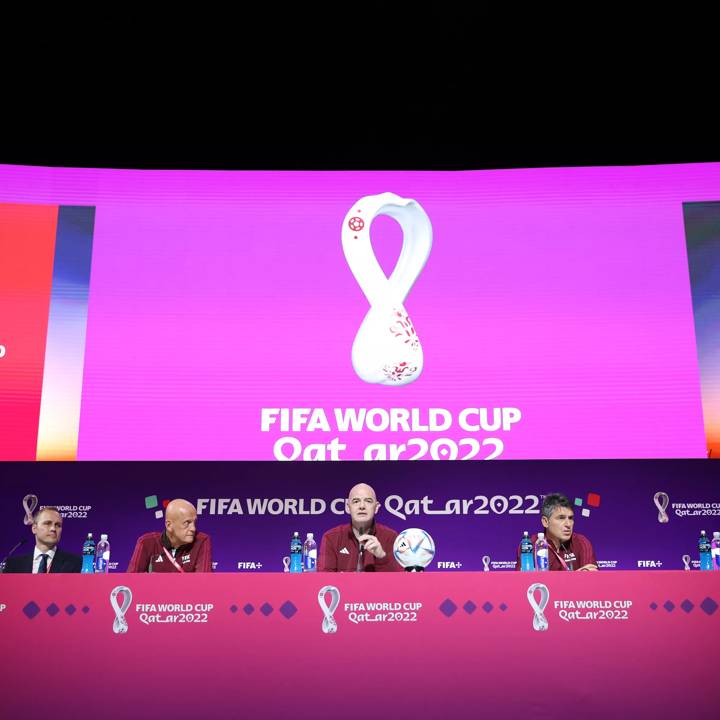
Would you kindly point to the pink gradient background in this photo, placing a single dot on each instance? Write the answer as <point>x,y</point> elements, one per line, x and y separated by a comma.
<point>563,292</point>
<point>656,664</point>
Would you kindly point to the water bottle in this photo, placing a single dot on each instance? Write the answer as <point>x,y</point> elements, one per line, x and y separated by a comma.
<point>102,555</point>
<point>309,554</point>
<point>541,552</point>
<point>88,555</point>
<point>526,553</point>
<point>296,549</point>
<point>715,551</point>
<point>706,562</point>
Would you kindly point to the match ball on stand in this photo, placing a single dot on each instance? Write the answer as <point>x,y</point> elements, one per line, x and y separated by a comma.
<point>414,548</point>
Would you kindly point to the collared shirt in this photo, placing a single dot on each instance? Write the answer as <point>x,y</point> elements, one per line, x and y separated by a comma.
<point>38,555</point>
<point>576,552</point>
<point>340,551</point>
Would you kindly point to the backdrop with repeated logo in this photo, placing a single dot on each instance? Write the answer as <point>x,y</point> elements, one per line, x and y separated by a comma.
<point>471,510</point>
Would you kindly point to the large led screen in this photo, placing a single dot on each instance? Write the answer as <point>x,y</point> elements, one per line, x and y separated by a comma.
<point>195,315</point>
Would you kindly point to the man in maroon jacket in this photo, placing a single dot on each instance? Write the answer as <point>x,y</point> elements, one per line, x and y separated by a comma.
<point>181,548</point>
<point>362,545</point>
<point>567,550</point>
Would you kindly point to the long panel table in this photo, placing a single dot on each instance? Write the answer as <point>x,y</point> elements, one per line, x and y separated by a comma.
<point>430,645</point>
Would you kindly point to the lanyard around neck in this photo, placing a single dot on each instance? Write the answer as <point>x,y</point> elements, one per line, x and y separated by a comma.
<point>172,560</point>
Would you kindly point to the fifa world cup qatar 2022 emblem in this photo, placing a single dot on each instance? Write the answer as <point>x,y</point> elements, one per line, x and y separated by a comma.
<point>662,500</point>
<point>387,349</point>
<point>120,625</point>
<point>539,622</point>
<point>329,625</point>
<point>29,503</point>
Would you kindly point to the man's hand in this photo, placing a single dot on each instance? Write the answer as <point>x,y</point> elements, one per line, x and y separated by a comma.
<point>589,566</point>
<point>372,545</point>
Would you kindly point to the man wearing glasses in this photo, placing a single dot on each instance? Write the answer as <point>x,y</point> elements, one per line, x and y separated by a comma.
<point>363,545</point>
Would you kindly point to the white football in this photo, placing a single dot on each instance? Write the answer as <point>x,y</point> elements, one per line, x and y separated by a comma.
<point>414,548</point>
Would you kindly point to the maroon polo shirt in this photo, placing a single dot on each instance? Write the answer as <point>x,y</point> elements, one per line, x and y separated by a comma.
<point>339,550</point>
<point>150,557</point>
<point>577,552</point>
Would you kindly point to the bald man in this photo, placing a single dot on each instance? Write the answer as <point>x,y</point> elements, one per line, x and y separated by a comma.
<point>362,546</point>
<point>181,548</point>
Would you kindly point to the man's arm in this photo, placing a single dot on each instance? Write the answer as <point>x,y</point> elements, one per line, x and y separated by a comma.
<point>140,560</point>
<point>588,556</point>
<point>327,561</point>
<point>204,561</point>
<point>72,562</point>
<point>383,556</point>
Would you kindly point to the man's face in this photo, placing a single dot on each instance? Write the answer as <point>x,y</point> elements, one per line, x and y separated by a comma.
<point>363,505</point>
<point>182,526</point>
<point>48,528</point>
<point>560,524</point>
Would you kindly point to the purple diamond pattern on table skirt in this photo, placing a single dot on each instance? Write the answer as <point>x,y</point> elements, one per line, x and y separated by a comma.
<point>287,609</point>
<point>52,610</point>
<point>469,607</point>
<point>708,606</point>
<point>85,610</point>
<point>653,606</point>
<point>71,609</point>
<point>503,607</point>
<point>448,607</point>
<point>669,605</point>
<point>687,606</point>
<point>487,606</point>
<point>266,609</point>
<point>31,609</point>
<point>233,609</point>
<point>248,609</point>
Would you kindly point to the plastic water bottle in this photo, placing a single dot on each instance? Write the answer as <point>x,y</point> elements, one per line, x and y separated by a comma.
<point>541,552</point>
<point>706,562</point>
<point>309,554</point>
<point>526,553</point>
<point>102,555</point>
<point>88,556</point>
<point>296,550</point>
<point>715,551</point>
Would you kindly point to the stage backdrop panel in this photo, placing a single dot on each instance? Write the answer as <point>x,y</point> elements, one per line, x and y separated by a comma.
<point>463,646</point>
<point>638,514</point>
<point>553,311</point>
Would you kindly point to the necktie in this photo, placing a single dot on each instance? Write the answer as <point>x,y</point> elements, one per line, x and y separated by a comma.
<point>42,568</point>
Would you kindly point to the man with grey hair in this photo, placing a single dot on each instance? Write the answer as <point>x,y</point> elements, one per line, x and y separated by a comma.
<point>568,550</point>
<point>180,548</point>
<point>363,545</point>
<point>47,557</point>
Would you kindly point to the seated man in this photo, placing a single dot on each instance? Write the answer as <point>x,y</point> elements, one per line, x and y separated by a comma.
<point>47,557</point>
<point>566,550</point>
<point>363,545</point>
<point>181,548</point>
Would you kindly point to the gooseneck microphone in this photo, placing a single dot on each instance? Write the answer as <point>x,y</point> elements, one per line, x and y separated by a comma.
<point>20,544</point>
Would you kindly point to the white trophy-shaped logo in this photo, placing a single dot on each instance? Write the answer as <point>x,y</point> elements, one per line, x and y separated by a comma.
<point>540,622</point>
<point>329,625</point>
<point>662,500</point>
<point>387,349</point>
<point>120,625</point>
<point>29,503</point>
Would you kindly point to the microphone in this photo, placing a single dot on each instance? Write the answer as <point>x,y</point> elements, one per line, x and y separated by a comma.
<point>20,544</point>
<point>362,548</point>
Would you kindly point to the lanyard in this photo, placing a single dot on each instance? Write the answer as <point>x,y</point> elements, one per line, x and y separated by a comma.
<point>557,555</point>
<point>172,560</point>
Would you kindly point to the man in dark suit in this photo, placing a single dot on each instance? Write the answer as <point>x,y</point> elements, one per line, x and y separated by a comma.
<point>47,557</point>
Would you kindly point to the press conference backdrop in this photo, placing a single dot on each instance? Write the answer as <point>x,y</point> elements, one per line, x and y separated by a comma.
<point>639,514</point>
<point>195,315</point>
